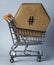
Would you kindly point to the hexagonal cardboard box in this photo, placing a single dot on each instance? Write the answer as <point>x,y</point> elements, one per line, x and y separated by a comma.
<point>32,16</point>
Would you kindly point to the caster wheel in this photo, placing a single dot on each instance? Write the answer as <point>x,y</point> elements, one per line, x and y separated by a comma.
<point>11,60</point>
<point>38,57</point>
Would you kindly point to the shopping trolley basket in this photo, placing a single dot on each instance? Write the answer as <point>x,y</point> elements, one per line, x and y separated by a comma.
<point>28,27</point>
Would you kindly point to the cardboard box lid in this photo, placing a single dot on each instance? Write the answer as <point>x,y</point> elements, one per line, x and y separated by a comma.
<point>32,16</point>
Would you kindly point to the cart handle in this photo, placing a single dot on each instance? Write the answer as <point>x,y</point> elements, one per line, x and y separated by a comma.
<point>8,16</point>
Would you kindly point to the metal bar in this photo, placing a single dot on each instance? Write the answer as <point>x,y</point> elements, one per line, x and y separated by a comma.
<point>26,51</point>
<point>26,55</point>
<point>22,43</point>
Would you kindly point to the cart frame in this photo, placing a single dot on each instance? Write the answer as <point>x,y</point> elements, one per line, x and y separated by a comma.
<point>16,42</point>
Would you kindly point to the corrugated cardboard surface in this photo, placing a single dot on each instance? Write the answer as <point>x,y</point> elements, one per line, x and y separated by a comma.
<point>41,18</point>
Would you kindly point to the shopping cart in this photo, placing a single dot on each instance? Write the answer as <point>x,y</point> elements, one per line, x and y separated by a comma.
<point>28,27</point>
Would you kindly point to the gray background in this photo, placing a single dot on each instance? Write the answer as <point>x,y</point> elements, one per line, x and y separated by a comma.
<point>11,6</point>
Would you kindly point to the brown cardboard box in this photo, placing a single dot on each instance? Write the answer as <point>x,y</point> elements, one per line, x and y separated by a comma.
<point>32,16</point>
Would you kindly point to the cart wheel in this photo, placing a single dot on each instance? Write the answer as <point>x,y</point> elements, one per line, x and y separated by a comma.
<point>11,60</point>
<point>38,57</point>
